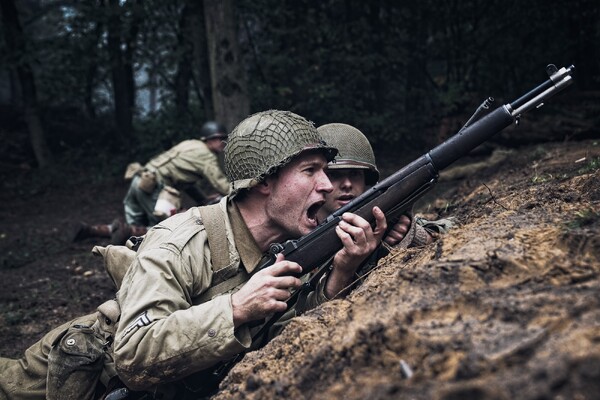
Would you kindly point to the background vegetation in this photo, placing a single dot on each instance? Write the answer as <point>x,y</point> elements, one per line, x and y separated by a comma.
<point>96,84</point>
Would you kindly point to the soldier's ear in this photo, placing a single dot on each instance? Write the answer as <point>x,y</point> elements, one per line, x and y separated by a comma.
<point>264,187</point>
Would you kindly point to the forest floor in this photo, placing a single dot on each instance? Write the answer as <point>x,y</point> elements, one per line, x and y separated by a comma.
<point>506,305</point>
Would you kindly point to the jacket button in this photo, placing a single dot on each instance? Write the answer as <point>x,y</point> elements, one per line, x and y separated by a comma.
<point>212,332</point>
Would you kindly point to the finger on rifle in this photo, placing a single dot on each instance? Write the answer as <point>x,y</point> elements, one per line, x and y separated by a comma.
<point>380,222</point>
<point>355,220</point>
<point>395,234</point>
<point>281,267</point>
<point>400,228</point>
<point>281,294</point>
<point>358,229</point>
<point>286,282</point>
<point>404,220</point>
<point>345,237</point>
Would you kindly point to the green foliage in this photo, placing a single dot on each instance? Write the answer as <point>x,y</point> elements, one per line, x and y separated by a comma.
<point>591,166</point>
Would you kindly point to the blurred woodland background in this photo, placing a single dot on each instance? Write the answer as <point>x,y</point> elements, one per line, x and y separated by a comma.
<point>91,85</point>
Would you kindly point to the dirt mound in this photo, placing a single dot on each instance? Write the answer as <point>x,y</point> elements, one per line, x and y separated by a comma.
<point>506,305</point>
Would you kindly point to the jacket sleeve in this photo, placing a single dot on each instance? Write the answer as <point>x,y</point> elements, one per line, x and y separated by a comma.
<point>206,164</point>
<point>162,336</point>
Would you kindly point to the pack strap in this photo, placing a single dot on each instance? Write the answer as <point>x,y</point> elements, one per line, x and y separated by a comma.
<point>214,223</point>
<point>223,287</point>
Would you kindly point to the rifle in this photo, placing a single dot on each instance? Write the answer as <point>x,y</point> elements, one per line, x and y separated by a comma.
<point>395,196</point>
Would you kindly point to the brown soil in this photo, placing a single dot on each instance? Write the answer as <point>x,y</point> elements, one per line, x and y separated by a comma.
<point>506,305</point>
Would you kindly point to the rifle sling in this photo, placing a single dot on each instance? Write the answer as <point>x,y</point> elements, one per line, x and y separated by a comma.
<point>223,287</point>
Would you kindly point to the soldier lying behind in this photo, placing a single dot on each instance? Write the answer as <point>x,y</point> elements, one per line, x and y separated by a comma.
<point>154,192</point>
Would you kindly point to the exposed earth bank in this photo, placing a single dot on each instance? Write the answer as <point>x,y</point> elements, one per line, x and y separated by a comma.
<point>504,306</point>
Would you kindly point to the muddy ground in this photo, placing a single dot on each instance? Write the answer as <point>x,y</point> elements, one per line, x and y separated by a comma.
<point>506,305</point>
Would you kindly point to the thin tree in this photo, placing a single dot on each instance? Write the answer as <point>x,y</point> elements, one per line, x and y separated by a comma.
<point>17,51</point>
<point>201,72</point>
<point>121,40</point>
<point>228,78</point>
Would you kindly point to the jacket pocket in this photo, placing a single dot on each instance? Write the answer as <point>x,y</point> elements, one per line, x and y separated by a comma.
<point>75,364</point>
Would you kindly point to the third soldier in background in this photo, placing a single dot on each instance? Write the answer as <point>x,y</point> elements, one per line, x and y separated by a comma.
<point>154,192</point>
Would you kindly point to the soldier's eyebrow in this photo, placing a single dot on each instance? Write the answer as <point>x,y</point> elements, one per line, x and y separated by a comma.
<point>316,163</point>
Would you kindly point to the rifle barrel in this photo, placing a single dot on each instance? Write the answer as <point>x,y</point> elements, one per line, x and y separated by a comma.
<point>559,79</point>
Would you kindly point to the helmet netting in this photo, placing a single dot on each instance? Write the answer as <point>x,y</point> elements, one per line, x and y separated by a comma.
<point>265,141</point>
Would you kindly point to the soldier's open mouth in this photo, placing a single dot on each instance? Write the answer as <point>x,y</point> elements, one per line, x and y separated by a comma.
<point>311,213</point>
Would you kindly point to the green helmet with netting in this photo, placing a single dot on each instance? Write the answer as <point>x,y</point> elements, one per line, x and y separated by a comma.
<point>354,150</point>
<point>265,142</point>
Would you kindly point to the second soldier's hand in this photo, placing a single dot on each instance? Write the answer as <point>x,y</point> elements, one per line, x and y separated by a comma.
<point>398,231</point>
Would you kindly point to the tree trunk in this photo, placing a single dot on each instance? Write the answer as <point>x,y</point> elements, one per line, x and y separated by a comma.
<point>201,74</point>
<point>228,78</point>
<point>130,41</point>
<point>184,66</point>
<point>91,72</point>
<point>15,44</point>
<point>122,83</point>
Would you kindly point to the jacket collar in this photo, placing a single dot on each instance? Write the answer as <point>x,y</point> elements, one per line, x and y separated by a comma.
<point>247,247</point>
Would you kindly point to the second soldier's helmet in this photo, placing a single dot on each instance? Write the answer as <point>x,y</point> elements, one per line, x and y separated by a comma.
<point>354,150</point>
<point>213,130</point>
<point>265,142</point>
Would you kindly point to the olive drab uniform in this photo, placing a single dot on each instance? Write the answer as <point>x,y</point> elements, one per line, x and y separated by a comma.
<point>168,330</point>
<point>164,325</point>
<point>179,168</point>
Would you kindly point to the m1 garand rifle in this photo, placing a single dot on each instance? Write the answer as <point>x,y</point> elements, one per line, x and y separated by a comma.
<point>395,196</point>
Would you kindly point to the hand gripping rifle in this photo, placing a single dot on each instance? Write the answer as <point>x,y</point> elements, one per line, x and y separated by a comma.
<point>396,195</point>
